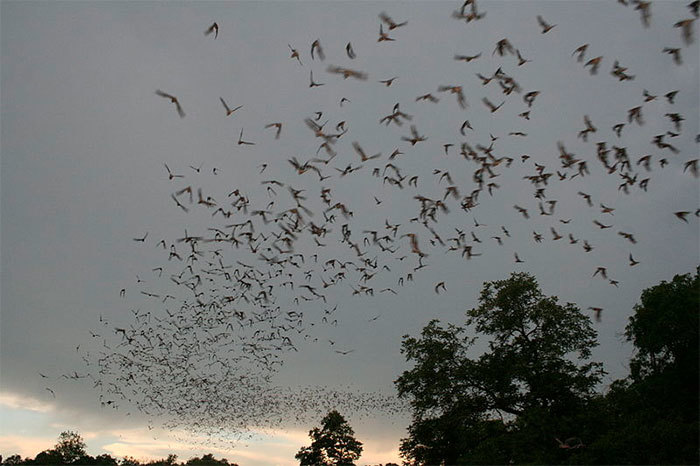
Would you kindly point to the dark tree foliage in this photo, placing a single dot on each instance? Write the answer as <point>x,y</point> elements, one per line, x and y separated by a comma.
<point>129,461</point>
<point>333,444</point>
<point>72,443</point>
<point>523,391</point>
<point>171,460</point>
<point>208,460</point>
<point>70,446</point>
<point>48,457</point>
<point>664,329</point>
<point>13,459</point>
<point>103,459</point>
<point>70,449</point>
<point>652,416</point>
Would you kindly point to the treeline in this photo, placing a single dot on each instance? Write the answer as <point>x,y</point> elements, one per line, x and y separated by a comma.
<point>70,449</point>
<point>55,457</point>
<point>531,398</point>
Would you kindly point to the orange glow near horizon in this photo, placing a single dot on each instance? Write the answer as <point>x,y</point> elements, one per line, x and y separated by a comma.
<point>38,424</point>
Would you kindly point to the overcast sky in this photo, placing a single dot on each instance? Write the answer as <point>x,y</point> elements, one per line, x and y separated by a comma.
<point>85,140</point>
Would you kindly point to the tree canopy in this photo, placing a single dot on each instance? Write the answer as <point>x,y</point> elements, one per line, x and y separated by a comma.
<point>70,446</point>
<point>664,328</point>
<point>333,444</point>
<point>651,417</point>
<point>535,373</point>
<point>531,397</point>
<point>70,449</point>
<point>207,460</point>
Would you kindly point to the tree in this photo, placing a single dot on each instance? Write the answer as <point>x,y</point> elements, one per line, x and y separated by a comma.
<point>129,461</point>
<point>208,460</point>
<point>169,461</point>
<point>70,446</point>
<point>651,417</point>
<point>13,459</point>
<point>333,444</point>
<point>664,328</point>
<point>525,388</point>
<point>102,460</point>
<point>106,459</point>
<point>48,457</point>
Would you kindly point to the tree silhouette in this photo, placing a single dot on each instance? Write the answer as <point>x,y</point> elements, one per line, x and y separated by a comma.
<point>534,374</point>
<point>664,328</point>
<point>651,417</point>
<point>129,461</point>
<point>208,460</point>
<point>48,457</point>
<point>333,444</point>
<point>70,445</point>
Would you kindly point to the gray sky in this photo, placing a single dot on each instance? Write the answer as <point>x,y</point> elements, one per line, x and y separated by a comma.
<point>85,140</point>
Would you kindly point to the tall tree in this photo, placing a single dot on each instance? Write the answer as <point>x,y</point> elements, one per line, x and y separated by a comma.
<point>70,446</point>
<point>535,373</point>
<point>333,444</point>
<point>664,328</point>
<point>651,417</point>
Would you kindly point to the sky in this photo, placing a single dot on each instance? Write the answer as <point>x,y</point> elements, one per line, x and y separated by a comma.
<point>85,141</point>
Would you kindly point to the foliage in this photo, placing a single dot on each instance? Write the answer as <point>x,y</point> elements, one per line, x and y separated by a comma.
<point>106,459</point>
<point>531,389</point>
<point>626,427</point>
<point>72,442</point>
<point>533,342</point>
<point>207,460</point>
<point>129,461</point>
<point>333,444</point>
<point>533,378</point>
<point>70,446</point>
<point>14,459</point>
<point>652,416</point>
<point>169,461</point>
<point>664,329</point>
<point>48,457</point>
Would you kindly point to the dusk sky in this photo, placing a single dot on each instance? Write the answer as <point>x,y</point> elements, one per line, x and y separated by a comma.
<point>90,217</point>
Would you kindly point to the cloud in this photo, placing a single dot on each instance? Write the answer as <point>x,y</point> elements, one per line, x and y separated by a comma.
<point>16,401</point>
<point>378,453</point>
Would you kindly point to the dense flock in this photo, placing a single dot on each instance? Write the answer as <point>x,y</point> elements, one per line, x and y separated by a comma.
<point>233,296</point>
